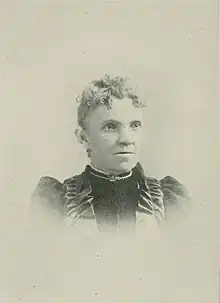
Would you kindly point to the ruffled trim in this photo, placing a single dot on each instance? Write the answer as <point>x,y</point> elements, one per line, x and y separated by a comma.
<point>151,198</point>
<point>78,198</point>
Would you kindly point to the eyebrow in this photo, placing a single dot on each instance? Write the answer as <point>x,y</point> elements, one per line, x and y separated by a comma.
<point>118,122</point>
<point>110,121</point>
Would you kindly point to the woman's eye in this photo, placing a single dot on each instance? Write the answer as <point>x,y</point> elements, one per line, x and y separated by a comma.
<point>110,127</point>
<point>135,124</point>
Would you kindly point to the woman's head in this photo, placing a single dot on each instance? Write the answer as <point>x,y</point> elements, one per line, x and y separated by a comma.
<point>110,122</point>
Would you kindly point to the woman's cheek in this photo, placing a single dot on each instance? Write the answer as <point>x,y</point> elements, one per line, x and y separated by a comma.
<point>109,139</point>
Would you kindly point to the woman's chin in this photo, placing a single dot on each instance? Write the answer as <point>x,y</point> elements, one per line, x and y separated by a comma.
<point>125,167</point>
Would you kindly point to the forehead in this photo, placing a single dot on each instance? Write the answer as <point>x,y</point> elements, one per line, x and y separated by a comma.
<point>122,110</point>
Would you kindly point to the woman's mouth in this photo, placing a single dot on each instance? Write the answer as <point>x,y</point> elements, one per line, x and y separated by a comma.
<point>124,153</point>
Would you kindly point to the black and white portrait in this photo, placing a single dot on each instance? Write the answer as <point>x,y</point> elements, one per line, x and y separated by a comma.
<point>113,189</point>
<point>110,151</point>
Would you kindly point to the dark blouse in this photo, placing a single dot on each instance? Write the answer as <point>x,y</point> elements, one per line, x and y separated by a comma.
<point>114,203</point>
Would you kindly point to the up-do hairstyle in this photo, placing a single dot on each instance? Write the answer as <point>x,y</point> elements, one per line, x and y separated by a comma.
<point>101,92</point>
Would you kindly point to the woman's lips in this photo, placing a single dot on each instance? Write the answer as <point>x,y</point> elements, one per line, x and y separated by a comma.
<point>124,154</point>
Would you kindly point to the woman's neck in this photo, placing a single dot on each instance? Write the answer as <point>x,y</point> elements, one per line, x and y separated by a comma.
<point>107,175</point>
<point>108,172</point>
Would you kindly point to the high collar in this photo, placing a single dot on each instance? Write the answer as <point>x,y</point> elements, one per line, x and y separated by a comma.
<point>107,176</point>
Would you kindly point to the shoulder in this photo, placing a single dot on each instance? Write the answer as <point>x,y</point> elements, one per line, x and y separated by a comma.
<point>52,192</point>
<point>48,193</point>
<point>175,195</point>
<point>173,188</point>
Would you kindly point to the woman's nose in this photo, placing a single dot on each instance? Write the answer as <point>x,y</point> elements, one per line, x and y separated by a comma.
<point>125,136</point>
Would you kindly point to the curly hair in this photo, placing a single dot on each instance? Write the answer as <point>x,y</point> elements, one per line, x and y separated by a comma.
<point>101,92</point>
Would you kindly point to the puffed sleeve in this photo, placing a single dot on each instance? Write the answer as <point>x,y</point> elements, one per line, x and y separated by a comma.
<point>48,197</point>
<point>176,198</point>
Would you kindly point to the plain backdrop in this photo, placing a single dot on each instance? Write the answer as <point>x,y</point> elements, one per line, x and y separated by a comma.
<point>49,50</point>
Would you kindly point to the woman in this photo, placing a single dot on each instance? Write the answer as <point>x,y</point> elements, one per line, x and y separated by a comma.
<point>113,192</point>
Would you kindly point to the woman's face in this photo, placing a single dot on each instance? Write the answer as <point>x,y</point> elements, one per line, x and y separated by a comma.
<point>114,136</point>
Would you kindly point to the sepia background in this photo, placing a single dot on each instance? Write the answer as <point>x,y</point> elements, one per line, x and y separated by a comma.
<point>51,49</point>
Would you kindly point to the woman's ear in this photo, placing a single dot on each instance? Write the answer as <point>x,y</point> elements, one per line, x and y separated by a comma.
<point>81,136</point>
